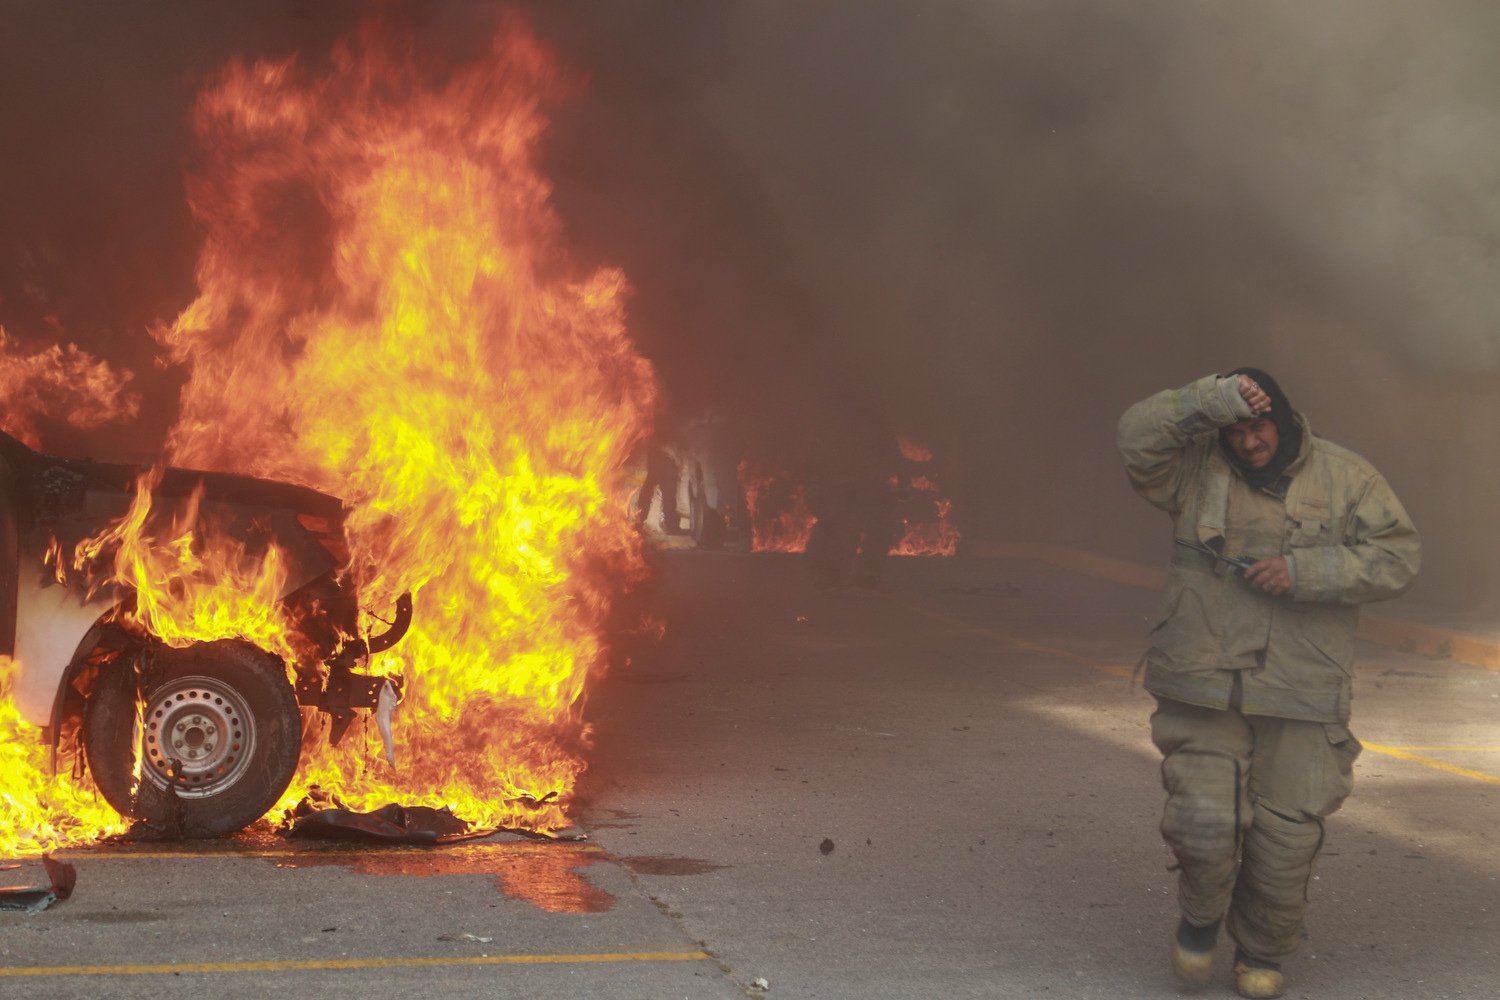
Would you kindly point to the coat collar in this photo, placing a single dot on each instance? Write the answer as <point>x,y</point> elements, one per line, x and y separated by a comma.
<point>1213,498</point>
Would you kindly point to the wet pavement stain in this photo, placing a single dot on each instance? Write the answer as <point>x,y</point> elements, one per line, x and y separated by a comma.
<point>549,880</point>
<point>548,876</point>
<point>623,819</point>
<point>669,866</point>
<point>119,917</point>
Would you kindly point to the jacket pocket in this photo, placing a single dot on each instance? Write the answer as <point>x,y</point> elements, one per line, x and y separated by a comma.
<point>1329,633</point>
<point>1342,739</point>
<point>1308,524</point>
<point>1336,768</point>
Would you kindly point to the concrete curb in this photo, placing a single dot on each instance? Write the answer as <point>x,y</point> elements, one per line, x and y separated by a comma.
<point>1410,637</point>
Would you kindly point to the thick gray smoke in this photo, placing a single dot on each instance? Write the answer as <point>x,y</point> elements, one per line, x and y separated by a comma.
<point>1009,219</point>
<point>1015,218</point>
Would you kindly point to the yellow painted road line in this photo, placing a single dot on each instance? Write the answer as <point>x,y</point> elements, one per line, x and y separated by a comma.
<point>1449,749</point>
<point>335,964</point>
<point>1462,772</point>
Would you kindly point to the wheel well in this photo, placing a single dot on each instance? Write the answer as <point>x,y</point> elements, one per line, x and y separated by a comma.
<point>103,645</point>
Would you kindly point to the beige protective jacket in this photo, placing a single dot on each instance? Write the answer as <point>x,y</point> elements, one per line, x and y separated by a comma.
<point>1346,537</point>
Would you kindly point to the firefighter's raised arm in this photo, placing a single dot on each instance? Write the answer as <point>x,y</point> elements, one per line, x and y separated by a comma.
<point>1156,435</point>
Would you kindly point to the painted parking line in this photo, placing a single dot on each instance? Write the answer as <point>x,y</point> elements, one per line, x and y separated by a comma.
<point>1401,753</point>
<point>1450,749</point>
<point>336,964</point>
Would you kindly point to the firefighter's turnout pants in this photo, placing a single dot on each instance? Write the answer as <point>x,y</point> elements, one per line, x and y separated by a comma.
<point>1246,797</point>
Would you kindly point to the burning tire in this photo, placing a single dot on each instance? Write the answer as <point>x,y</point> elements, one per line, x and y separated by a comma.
<point>218,738</point>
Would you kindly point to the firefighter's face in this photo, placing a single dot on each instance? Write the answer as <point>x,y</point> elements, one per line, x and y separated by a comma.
<point>1254,441</point>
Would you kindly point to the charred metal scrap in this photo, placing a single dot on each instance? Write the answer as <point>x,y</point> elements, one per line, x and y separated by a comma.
<point>323,815</point>
<point>61,876</point>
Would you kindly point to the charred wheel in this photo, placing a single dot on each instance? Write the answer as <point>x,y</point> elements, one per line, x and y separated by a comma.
<point>217,737</point>
<point>198,732</point>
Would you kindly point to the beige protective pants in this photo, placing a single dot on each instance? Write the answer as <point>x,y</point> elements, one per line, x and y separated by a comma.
<point>1246,797</point>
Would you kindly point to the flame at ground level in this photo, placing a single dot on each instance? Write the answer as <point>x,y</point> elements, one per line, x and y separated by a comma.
<point>781,519</point>
<point>40,810</point>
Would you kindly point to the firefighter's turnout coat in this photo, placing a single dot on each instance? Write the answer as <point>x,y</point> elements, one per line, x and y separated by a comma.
<point>1346,538</point>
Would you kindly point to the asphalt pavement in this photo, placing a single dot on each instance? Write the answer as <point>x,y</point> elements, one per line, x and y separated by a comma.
<point>941,789</point>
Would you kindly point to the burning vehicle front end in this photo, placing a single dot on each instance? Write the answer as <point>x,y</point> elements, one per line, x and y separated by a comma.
<point>183,727</point>
<point>415,336</point>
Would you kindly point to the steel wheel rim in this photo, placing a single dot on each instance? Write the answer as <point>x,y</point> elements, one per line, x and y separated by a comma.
<point>206,727</point>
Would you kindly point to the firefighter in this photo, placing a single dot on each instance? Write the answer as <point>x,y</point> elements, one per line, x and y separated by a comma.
<point>1279,537</point>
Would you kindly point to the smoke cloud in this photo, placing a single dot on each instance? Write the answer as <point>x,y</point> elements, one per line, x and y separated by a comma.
<point>1006,219</point>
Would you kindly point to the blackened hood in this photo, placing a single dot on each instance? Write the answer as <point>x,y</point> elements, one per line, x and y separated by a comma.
<point>47,496</point>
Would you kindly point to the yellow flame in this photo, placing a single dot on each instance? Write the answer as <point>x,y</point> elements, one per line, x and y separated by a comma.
<point>424,351</point>
<point>193,585</point>
<point>39,810</point>
<point>386,313</point>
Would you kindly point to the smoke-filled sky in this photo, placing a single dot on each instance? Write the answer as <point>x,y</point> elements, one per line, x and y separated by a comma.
<point>1009,219</point>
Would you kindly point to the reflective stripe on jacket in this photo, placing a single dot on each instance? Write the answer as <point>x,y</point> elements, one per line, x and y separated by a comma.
<point>1346,537</point>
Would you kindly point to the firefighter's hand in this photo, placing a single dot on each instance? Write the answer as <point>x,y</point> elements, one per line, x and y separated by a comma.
<point>1254,396</point>
<point>1271,575</point>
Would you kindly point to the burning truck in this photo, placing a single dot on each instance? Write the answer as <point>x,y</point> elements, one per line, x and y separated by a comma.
<point>201,738</point>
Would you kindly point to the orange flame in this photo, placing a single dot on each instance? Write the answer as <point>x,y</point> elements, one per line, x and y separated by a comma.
<point>929,538</point>
<point>59,382</point>
<point>39,809</point>
<point>781,522</point>
<point>924,536</point>
<point>195,585</point>
<point>386,313</point>
<point>911,451</point>
<point>779,518</point>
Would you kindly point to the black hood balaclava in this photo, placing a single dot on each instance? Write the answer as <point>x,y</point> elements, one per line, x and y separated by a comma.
<point>1288,433</point>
